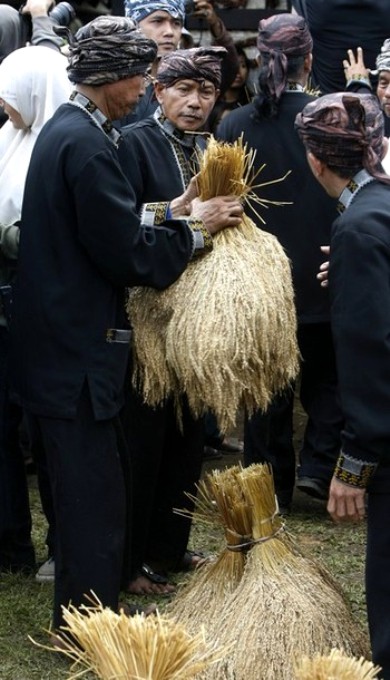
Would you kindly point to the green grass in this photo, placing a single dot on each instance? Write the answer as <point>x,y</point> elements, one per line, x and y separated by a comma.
<point>25,605</point>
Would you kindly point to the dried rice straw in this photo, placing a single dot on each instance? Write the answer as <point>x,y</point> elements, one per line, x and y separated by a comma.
<point>336,666</point>
<point>219,502</point>
<point>224,333</point>
<point>285,606</point>
<point>117,647</point>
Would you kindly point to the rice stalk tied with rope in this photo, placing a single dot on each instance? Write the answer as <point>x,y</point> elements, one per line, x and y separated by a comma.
<point>224,334</point>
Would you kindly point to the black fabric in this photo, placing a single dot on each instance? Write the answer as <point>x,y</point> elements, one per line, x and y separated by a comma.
<point>166,460</point>
<point>90,507</point>
<point>377,580</point>
<point>81,243</point>
<point>359,283</point>
<point>339,25</point>
<point>166,463</point>
<point>16,549</point>
<point>269,436</point>
<point>149,164</point>
<point>303,226</point>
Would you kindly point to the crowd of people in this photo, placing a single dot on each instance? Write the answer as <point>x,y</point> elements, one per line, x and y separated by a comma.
<point>98,156</point>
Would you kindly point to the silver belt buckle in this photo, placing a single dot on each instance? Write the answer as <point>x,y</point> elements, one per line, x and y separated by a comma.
<point>118,335</point>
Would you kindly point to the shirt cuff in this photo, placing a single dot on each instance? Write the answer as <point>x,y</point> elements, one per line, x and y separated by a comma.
<point>202,241</point>
<point>359,80</point>
<point>353,471</point>
<point>154,214</point>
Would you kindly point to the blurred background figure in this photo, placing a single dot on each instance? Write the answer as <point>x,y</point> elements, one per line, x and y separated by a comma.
<point>33,83</point>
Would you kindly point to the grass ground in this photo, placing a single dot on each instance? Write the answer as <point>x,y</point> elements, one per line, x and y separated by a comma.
<point>25,605</point>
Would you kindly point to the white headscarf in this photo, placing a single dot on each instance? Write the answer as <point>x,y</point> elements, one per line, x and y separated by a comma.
<point>34,81</point>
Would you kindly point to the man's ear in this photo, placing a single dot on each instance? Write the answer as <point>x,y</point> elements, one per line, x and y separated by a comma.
<point>307,63</point>
<point>316,165</point>
<point>158,88</point>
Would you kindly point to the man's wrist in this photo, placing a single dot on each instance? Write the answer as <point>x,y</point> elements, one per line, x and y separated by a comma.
<point>202,239</point>
<point>353,471</point>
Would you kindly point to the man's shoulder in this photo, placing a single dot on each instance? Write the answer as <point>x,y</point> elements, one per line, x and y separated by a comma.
<point>140,127</point>
<point>235,119</point>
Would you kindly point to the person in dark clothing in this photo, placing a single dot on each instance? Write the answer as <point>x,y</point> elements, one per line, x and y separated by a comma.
<point>267,125</point>
<point>339,25</point>
<point>159,156</point>
<point>81,244</point>
<point>338,136</point>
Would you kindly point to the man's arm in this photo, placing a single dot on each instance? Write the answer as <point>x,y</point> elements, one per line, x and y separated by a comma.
<point>42,25</point>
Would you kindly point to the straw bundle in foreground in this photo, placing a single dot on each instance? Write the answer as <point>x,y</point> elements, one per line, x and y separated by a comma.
<point>224,333</point>
<point>219,502</point>
<point>336,666</point>
<point>117,647</point>
<point>284,606</point>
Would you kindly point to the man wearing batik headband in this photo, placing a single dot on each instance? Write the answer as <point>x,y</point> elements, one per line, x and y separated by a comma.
<point>82,244</point>
<point>358,77</point>
<point>159,158</point>
<point>267,124</point>
<point>163,22</point>
<point>337,138</point>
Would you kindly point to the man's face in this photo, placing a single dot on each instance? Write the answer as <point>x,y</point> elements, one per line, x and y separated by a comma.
<point>164,29</point>
<point>383,91</point>
<point>14,115</point>
<point>187,103</point>
<point>122,96</point>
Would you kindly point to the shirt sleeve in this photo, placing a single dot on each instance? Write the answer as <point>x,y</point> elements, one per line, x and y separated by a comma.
<point>359,280</point>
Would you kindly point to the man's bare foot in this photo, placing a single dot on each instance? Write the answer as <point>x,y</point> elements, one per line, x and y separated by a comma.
<point>149,582</point>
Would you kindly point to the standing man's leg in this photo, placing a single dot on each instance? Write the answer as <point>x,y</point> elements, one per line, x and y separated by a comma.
<point>89,503</point>
<point>377,579</point>
<point>320,399</point>
<point>268,438</point>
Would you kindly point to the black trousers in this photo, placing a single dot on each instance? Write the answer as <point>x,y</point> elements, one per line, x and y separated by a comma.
<point>377,579</point>
<point>16,549</point>
<point>268,436</point>
<point>166,462</point>
<point>89,498</point>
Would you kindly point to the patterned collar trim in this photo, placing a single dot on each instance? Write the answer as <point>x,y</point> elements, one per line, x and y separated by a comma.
<point>353,187</point>
<point>294,87</point>
<point>188,139</point>
<point>78,99</point>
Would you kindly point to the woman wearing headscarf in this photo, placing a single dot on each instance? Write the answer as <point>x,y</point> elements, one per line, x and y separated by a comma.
<point>33,83</point>
<point>337,134</point>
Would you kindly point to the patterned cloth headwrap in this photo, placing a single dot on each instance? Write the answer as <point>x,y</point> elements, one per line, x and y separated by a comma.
<point>281,37</point>
<point>196,63</point>
<point>344,131</point>
<point>382,62</point>
<point>140,9</point>
<point>108,49</point>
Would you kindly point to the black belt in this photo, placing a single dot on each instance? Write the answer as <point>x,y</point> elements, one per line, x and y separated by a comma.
<point>118,335</point>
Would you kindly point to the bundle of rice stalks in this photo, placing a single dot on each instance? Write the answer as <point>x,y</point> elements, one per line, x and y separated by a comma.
<point>219,502</point>
<point>285,605</point>
<point>336,666</point>
<point>117,647</point>
<point>224,333</point>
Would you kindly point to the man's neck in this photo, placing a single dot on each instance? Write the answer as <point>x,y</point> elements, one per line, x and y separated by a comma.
<point>95,94</point>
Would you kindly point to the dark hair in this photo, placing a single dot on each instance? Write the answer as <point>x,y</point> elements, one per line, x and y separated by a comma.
<point>265,105</point>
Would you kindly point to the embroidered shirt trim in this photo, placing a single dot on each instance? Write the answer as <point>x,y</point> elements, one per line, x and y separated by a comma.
<point>100,120</point>
<point>353,187</point>
<point>353,471</point>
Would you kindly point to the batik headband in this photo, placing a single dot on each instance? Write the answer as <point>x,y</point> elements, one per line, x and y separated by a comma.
<point>344,131</point>
<point>196,63</point>
<point>281,37</point>
<point>108,49</point>
<point>140,9</point>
